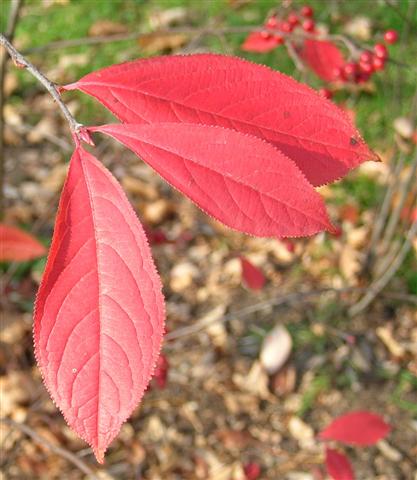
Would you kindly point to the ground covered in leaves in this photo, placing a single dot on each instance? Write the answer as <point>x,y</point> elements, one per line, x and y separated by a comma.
<point>219,412</point>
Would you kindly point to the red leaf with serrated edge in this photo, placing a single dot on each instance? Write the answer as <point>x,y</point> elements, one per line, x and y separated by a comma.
<point>99,313</point>
<point>338,465</point>
<point>259,42</point>
<point>234,93</point>
<point>356,428</point>
<point>18,246</point>
<point>240,180</point>
<point>323,57</point>
<point>251,275</point>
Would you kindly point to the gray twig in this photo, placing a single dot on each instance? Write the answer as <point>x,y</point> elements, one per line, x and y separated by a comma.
<point>53,448</point>
<point>376,287</point>
<point>21,61</point>
<point>395,215</point>
<point>274,302</point>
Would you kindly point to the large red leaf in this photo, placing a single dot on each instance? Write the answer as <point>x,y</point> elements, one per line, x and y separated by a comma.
<point>233,93</point>
<point>99,313</point>
<point>356,428</point>
<point>323,57</point>
<point>17,245</point>
<point>338,465</point>
<point>240,180</point>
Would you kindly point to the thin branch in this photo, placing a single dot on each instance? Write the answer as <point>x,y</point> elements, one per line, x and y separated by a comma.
<point>396,213</point>
<point>10,29</point>
<point>77,462</point>
<point>380,220</point>
<point>21,61</point>
<point>405,18</point>
<point>292,53</point>
<point>379,284</point>
<point>353,49</point>
<point>275,302</point>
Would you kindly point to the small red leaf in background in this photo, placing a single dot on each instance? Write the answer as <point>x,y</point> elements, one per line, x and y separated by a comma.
<point>356,428</point>
<point>99,313</point>
<point>323,57</point>
<point>230,92</point>
<point>160,375</point>
<point>18,246</point>
<point>240,180</point>
<point>260,43</point>
<point>338,465</point>
<point>252,471</point>
<point>251,275</point>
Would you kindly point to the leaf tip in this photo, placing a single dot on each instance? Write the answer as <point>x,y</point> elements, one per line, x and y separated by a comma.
<point>99,454</point>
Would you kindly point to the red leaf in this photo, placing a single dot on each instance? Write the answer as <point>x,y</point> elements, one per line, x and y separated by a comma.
<point>338,465</point>
<point>233,93</point>
<point>238,179</point>
<point>258,42</point>
<point>99,313</point>
<point>252,276</point>
<point>323,57</point>
<point>356,428</point>
<point>17,245</point>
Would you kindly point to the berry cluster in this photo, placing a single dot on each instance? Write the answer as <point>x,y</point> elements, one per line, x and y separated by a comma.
<point>368,63</point>
<point>303,19</point>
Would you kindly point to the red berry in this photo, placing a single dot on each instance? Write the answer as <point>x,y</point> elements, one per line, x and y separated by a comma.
<point>391,36</point>
<point>381,51</point>
<point>338,73</point>
<point>326,93</point>
<point>378,63</point>
<point>265,35</point>
<point>161,372</point>
<point>252,471</point>
<point>307,11</point>
<point>272,22</point>
<point>308,25</point>
<point>366,57</point>
<point>367,68</point>
<point>350,69</point>
<point>286,27</point>
<point>362,77</point>
<point>293,19</point>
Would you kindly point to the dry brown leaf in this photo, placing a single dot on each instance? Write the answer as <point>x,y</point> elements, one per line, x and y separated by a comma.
<point>385,335</point>
<point>106,27</point>
<point>152,43</point>
<point>349,263</point>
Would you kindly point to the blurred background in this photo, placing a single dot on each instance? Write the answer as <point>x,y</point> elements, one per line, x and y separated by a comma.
<point>339,311</point>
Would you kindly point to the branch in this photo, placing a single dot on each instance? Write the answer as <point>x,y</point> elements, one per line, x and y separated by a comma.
<point>275,302</point>
<point>53,448</point>
<point>20,61</point>
<point>378,285</point>
<point>354,49</point>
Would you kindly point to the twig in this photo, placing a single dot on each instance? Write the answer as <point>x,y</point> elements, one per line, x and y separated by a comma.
<point>354,49</point>
<point>395,215</point>
<point>21,61</point>
<point>10,29</point>
<point>376,287</point>
<point>275,302</point>
<point>407,19</point>
<point>292,53</point>
<point>53,448</point>
<point>380,221</point>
